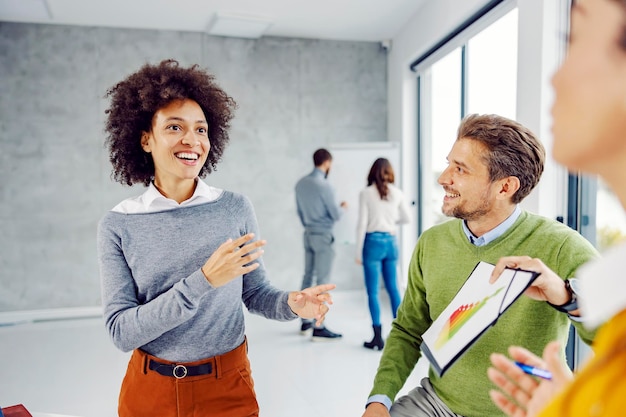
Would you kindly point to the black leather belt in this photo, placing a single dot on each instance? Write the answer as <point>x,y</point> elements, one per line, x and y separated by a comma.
<point>180,371</point>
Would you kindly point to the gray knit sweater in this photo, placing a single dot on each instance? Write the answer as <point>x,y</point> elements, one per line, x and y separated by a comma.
<point>154,294</point>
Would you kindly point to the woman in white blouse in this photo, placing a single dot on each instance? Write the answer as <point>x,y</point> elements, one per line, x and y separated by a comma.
<point>382,207</point>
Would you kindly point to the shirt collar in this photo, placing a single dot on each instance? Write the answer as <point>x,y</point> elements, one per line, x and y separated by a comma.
<point>601,287</point>
<point>153,199</point>
<point>318,172</point>
<point>494,233</point>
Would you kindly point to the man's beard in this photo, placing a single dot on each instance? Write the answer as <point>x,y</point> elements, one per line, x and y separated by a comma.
<point>468,215</point>
<point>463,213</point>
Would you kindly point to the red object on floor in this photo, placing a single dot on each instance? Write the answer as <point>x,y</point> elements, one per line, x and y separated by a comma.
<point>16,411</point>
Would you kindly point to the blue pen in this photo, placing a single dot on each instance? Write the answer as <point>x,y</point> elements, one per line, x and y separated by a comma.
<point>531,370</point>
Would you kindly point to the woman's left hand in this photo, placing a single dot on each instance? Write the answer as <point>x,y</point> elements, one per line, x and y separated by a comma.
<point>522,395</point>
<point>311,303</point>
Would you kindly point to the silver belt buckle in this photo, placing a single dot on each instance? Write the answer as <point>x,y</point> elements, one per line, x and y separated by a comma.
<point>182,370</point>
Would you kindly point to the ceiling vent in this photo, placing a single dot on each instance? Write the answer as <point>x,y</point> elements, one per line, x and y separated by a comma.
<point>238,25</point>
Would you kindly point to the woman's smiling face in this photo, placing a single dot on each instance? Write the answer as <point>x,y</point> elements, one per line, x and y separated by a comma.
<point>178,142</point>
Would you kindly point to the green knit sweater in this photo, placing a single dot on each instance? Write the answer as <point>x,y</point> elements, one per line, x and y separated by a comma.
<point>441,262</point>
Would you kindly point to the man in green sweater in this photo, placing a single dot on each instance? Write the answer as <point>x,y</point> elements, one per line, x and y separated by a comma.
<point>494,164</point>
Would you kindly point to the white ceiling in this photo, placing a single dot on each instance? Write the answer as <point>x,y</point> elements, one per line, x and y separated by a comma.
<point>357,20</point>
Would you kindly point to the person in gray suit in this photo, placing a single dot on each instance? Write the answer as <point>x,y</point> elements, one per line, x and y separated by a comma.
<point>318,212</point>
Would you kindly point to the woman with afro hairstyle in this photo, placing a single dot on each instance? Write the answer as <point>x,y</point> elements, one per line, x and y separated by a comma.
<point>177,262</point>
<point>382,207</point>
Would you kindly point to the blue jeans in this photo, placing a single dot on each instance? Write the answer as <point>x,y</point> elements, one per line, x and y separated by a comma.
<point>380,255</point>
<point>318,258</point>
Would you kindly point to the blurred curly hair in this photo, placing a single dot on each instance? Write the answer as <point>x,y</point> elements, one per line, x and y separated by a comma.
<point>136,99</point>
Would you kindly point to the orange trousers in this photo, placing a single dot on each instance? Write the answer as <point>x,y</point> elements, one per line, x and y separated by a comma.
<point>228,391</point>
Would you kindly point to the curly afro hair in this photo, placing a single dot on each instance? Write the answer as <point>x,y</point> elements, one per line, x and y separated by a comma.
<point>135,100</point>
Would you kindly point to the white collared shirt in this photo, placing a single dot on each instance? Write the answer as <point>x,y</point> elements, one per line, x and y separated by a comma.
<point>152,200</point>
<point>602,287</point>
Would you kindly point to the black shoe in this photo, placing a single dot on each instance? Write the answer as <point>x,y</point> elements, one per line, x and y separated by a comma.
<point>306,326</point>
<point>323,335</point>
<point>377,342</point>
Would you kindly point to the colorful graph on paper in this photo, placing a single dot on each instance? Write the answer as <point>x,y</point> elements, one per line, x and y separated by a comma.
<point>474,308</point>
<point>459,317</point>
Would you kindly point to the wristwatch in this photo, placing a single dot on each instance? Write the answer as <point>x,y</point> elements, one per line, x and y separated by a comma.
<point>571,285</point>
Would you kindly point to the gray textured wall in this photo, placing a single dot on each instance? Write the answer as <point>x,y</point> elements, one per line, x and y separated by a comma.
<point>294,96</point>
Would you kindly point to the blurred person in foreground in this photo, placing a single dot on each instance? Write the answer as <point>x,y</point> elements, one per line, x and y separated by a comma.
<point>589,125</point>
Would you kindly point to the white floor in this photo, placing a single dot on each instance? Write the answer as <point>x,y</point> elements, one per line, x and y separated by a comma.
<point>70,367</point>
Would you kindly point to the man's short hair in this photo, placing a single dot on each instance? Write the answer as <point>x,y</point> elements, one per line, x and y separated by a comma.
<point>320,156</point>
<point>513,150</point>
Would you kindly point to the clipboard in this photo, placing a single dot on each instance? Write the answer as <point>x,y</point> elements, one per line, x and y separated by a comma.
<point>476,307</point>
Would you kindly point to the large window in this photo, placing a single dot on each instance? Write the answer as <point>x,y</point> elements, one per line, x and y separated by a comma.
<point>477,74</point>
<point>492,68</point>
<point>441,120</point>
<point>610,218</point>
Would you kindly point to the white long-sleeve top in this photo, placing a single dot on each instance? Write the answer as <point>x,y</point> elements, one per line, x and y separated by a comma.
<point>377,215</point>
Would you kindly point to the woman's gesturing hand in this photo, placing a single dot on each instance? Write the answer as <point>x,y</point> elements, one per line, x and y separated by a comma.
<point>311,303</point>
<point>232,259</point>
<point>521,395</point>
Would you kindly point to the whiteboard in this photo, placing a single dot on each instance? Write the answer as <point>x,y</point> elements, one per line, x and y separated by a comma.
<point>348,175</point>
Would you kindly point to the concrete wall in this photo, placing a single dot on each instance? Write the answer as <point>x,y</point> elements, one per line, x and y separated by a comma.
<point>294,96</point>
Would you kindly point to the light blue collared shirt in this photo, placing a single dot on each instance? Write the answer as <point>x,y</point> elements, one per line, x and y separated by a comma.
<point>494,233</point>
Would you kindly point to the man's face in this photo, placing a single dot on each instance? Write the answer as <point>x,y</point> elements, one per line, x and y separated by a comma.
<point>470,195</point>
